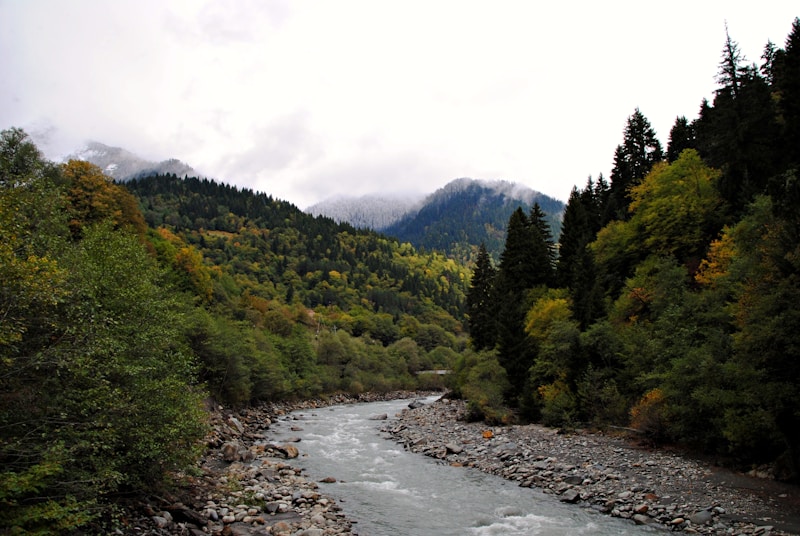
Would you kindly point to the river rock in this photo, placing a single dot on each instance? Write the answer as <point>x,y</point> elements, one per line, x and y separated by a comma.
<point>701,518</point>
<point>570,496</point>
<point>160,522</point>
<point>230,451</point>
<point>452,448</point>
<point>233,421</point>
<point>379,417</point>
<point>608,473</point>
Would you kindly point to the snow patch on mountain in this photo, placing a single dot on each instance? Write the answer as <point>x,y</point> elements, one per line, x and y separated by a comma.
<point>372,211</point>
<point>123,165</point>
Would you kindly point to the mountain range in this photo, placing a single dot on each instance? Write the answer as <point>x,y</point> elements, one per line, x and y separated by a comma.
<point>122,165</point>
<point>454,219</point>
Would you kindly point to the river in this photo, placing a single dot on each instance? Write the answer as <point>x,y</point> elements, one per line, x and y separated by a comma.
<point>390,491</point>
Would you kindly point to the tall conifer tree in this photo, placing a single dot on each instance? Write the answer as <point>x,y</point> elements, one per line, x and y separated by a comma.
<point>633,159</point>
<point>575,269</point>
<point>481,307</point>
<point>544,253</point>
<point>527,262</point>
<point>738,133</point>
<point>789,87</point>
<point>681,137</point>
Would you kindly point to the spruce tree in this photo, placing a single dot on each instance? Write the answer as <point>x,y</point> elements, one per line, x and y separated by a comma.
<point>544,253</point>
<point>789,88</point>
<point>574,230</point>
<point>527,262</point>
<point>575,269</point>
<point>738,133</point>
<point>481,308</point>
<point>633,159</point>
<point>681,137</point>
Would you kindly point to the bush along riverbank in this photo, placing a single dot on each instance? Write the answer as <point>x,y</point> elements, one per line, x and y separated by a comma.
<point>245,485</point>
<point>604,473</point>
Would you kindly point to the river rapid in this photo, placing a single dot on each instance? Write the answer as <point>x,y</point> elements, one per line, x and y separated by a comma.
<point>390,491</point>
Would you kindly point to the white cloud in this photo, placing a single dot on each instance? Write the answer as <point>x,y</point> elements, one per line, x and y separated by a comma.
<point>308,99</point>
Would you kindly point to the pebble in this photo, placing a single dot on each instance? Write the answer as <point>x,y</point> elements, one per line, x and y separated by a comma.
<point>247,486</point>
<point>593,470</point>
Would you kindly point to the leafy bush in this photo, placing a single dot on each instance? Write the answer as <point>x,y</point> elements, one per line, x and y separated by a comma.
<point>649,415</point>
<point>482,382</point>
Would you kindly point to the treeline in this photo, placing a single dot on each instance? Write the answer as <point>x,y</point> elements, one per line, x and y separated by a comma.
<point>294,305</point>
<point>464,214</point>
<point>124,308</point>
<point>672,304</point>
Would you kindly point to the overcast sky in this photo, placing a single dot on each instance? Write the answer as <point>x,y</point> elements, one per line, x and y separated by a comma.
<point>305,100</point>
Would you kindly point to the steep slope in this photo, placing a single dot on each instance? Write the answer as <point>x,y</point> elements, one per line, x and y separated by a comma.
<point>456,219</point>
<point>274,250</point>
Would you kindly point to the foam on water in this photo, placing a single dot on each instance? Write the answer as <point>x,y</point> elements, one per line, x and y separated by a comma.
<point>392,491</point>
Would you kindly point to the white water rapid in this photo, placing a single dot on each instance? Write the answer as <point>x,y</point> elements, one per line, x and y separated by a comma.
<point>390,491</point>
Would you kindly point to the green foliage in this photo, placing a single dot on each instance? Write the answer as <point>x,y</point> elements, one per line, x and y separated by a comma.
<point>483,382</point>
<point>697,337</point>
<point>526,263</point>
<point>295,305</point>
<point>600,400</point>
<point>559,404</point>
<point>96,388</point>
<point>633,159</point>
<point>649,415</point>
<point>480,304</point>
<point>673,212</point>
<point>455,221</point>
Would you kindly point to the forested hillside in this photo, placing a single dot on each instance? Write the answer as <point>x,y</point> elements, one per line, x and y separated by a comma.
<point>122,311</point>
<point>456,219</point>
<point>667,304</point>
<point>672,305</point>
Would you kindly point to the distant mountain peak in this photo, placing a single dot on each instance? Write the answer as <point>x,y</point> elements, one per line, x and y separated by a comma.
<point>454,219</point>
<point>372,211</point>
<point>123,165</point>
<point>509,189</point>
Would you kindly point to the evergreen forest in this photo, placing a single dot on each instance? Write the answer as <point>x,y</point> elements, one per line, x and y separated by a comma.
<point>666,305</point>
<point>669,303</point>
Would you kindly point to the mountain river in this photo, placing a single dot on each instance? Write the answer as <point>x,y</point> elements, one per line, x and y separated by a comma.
<point>390,491</point>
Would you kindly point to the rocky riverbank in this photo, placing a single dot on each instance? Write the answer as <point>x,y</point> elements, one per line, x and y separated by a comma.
<point>245,485</point>
<point>608,474</point>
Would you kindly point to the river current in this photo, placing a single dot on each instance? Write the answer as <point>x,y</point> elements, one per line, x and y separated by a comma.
<point>390,491</point>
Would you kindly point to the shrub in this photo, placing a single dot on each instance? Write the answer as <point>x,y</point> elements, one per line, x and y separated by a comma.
<point>649,415</point>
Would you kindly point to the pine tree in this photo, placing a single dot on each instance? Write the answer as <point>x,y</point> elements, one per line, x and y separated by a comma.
<point>480,302</point>
<point>633,159</point>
